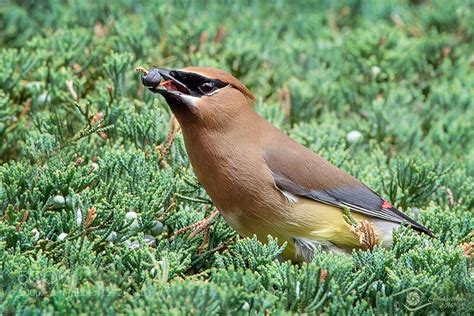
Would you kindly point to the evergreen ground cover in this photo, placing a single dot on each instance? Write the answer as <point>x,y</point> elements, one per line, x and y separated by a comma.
<point>96,187</point>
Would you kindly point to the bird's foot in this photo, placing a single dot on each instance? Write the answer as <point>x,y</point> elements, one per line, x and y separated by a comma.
<point>203,226</point>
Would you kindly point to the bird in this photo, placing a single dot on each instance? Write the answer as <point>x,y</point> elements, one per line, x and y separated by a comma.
<point>262,181</point>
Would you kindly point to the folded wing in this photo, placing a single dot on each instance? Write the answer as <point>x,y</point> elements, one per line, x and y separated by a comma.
<point>303,173</point>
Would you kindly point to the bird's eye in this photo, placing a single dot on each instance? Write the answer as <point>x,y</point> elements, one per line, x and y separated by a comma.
<point>207,87</point>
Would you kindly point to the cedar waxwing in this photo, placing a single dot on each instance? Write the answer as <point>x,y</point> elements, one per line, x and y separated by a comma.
<point>262,181</point>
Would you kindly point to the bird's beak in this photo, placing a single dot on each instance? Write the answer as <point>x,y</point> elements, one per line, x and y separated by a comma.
<point>164,82</point>
<point>169,83</point>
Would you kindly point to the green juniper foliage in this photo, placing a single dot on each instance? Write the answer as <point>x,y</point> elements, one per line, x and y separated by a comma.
<point>96,187</point>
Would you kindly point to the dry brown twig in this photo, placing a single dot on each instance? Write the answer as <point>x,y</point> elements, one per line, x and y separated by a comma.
<point>164,148</point>
<point>203,38</point>
<point>452,201</point>
<point>284,97</point>
<point>22,221</point>
<point>26,109</point>
<point>173,130</point>
<point>468,249</point>
<point>90,217</point>
<point>220,35</point>
<point>322,275</point>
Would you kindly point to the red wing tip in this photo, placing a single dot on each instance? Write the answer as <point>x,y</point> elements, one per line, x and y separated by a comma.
<point>386,204</point>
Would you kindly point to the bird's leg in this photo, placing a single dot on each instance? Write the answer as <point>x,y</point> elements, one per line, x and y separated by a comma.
<point>199,227</point>
<point>366,232</point>
<point>205,240</point>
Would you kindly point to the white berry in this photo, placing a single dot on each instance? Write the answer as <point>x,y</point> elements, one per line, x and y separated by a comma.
<point>353,136</point>
<point>62,236</point>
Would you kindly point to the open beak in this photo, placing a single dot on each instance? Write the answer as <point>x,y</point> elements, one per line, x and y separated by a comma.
<point>164,82</point>
<point>169,83</point>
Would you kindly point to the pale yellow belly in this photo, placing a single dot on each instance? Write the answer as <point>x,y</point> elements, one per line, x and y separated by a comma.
<point>311,222</point>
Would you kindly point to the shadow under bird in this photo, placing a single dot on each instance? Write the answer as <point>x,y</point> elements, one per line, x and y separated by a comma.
<point>262,181</point>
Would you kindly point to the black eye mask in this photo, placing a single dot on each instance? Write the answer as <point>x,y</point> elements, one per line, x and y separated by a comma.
<point>184,82</point>
<point>198,85</point>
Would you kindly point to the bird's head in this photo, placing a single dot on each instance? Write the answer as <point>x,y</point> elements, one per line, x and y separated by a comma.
<point>198,95</point>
